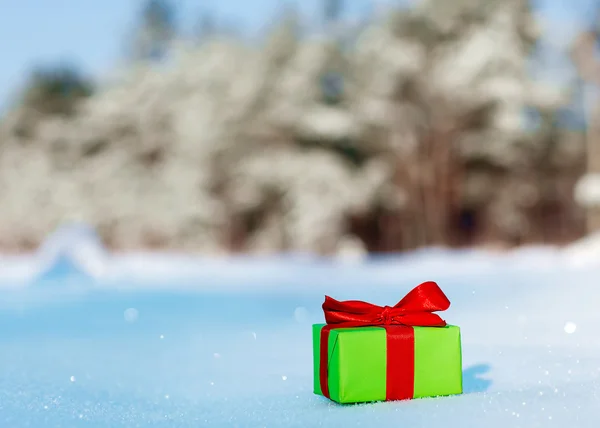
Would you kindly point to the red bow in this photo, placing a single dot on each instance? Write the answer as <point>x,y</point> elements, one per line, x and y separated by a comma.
<point>415,309</point>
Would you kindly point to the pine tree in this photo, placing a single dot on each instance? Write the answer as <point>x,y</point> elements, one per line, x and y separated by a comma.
<point>332,10</point>
<point>206,27</point>
<point>56,90</point>
<point>156,30</point>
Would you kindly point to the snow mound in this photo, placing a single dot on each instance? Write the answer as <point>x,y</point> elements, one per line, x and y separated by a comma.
<point>587,191</point>
<point>72,251</point>
<point>583,253</point>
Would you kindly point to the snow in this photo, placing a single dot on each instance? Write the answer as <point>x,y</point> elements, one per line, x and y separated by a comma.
<point>226,342</point>
<point>587,190</point>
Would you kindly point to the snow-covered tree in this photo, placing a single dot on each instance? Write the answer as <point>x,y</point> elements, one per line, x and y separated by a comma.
<point>411,135</point>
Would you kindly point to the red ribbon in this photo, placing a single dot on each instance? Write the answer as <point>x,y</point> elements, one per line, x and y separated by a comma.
<point>415,309</point>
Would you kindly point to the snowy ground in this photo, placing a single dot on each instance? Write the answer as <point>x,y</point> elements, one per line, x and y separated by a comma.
<point>231,346</point>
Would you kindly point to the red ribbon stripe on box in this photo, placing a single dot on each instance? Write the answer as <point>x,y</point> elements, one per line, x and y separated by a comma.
<point>415,309</point>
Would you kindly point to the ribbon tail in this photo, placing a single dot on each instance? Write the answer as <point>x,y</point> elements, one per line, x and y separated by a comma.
<point>425,297</point>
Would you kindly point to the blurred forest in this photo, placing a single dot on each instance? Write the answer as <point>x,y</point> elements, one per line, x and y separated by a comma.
<point>413,127</point>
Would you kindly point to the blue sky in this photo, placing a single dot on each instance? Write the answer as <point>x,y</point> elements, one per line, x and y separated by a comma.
<point>90,33</point>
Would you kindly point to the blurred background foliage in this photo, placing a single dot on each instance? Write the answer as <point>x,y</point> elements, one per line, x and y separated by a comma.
<point>413,126</point>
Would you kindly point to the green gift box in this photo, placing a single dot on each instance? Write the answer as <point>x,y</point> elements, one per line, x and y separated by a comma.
<point>369,353</point>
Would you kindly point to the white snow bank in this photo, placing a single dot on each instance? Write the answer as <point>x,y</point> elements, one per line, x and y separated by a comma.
<point>584,253</point>
<point>75,252</point>
<point>587,190</point>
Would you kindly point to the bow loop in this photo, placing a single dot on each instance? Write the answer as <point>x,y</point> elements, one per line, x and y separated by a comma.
<point>415,309</point>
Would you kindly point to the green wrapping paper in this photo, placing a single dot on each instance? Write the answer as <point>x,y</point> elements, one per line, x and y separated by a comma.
<point>358,362</point>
